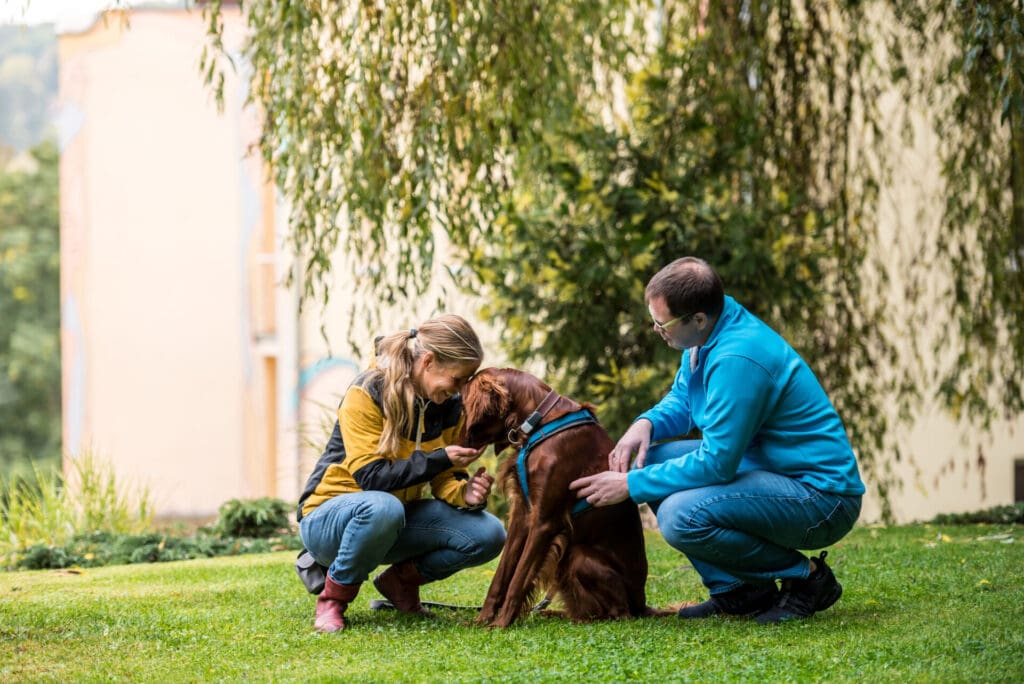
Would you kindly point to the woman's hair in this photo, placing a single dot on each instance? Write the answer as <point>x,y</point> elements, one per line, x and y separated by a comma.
<point>449,337</point>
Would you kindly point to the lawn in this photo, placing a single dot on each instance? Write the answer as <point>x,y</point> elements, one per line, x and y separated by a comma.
<point>921,603</point>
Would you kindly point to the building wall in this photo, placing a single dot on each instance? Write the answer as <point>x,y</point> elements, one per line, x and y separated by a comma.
<point>162,219</point>
<point>945,466</point>
<point>185,361</point>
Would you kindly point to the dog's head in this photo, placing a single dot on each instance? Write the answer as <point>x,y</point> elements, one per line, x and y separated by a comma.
<point>493,402</point>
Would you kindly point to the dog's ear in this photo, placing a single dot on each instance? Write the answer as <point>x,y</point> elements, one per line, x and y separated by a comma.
<point>511,422</point>
<point>485,398</point>
<point>500,402</point>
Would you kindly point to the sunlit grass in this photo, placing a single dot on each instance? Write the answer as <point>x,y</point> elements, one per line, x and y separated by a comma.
<point>921,603</point>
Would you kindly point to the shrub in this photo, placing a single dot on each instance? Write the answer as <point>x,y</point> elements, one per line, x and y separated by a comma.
<point>101,503</point>
<point>97,549</point>
<point>47,510</point>
<point>262,517</point>
<point>997,515</point>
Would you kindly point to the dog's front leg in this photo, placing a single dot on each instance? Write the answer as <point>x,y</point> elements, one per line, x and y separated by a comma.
<point>524,578</point>
<point>510,554</point>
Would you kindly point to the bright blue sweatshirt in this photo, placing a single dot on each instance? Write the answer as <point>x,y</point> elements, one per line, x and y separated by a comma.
<point>758,406</point>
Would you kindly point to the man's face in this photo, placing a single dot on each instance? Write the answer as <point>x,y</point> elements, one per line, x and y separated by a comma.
<point>678,331</point>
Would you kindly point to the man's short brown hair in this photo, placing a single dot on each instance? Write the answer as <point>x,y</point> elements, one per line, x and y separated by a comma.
<point>688,285</point>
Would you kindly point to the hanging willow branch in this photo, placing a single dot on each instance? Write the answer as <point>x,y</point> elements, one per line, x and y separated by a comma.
<point>385,120</point>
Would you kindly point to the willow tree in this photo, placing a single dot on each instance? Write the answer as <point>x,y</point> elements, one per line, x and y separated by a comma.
<point>569,149</point>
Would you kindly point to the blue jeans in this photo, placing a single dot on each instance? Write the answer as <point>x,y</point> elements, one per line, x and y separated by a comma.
<point>353,533</point>
<point>749,530</point>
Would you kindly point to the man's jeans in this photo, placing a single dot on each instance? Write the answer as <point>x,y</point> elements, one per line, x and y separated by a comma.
<point>748,530</point>
<point>354,533</point>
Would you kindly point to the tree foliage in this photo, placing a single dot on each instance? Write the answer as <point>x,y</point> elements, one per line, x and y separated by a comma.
<point>30,399</point>
<point>385,120</point>
<point>736,147</point>
<point>568,150</point>
<point>28,84</point>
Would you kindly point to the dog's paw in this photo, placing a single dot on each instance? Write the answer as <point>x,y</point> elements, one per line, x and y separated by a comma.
<point>671,610</point>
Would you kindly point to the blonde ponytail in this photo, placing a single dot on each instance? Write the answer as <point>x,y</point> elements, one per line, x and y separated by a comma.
<point>449,337</point>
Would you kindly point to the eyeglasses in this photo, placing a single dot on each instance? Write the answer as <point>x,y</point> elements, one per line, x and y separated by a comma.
<point>663,327</point>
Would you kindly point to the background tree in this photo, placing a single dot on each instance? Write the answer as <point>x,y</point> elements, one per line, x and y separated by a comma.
<point>28,84</point>
<point>568,150</point>
<point>30,399</point>
<point>723,156</point>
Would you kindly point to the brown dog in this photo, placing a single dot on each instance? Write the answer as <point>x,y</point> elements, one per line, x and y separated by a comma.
<point>593,557</point>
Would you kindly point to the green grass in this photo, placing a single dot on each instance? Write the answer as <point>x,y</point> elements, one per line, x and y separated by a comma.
<point>921,603</point>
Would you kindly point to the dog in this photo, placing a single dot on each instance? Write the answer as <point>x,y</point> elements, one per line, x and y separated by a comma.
<point>594,558</point>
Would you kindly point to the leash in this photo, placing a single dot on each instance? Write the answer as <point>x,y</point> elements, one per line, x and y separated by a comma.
<point>566,422</point>
<point>384,604</point>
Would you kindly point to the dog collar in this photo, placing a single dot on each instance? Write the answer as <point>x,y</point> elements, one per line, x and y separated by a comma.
<point>534,419</point>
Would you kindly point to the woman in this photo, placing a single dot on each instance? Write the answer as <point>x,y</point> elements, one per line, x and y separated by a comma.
<point>396,431</point>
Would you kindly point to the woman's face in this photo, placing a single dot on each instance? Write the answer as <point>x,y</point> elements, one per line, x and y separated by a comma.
<point>438,381</point>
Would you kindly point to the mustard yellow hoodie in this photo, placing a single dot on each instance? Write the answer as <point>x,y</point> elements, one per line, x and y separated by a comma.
<point>352,462</point>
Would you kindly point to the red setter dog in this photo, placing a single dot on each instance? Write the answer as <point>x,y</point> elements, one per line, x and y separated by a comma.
<point>593,557</point>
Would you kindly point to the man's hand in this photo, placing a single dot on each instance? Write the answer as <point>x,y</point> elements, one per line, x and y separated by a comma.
<point>603,489</point>
<point>479,487</point>
<point>461,456</point>
<point>638,439</point>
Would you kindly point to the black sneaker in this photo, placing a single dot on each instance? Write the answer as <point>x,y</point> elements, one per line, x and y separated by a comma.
<point>801,599</point>
<point>743,600</point>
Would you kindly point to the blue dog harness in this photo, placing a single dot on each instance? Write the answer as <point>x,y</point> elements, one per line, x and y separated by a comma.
<point>566,422</point>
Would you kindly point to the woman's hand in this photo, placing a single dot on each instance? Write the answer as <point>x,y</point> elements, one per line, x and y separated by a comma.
<point>461,456</point>
<point>478,487</point>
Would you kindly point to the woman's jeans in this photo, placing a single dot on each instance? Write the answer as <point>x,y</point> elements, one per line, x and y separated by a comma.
<point>354,533</point>
<point>748,530</point>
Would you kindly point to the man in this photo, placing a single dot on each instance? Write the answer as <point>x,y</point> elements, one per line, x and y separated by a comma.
<point>773,471</point>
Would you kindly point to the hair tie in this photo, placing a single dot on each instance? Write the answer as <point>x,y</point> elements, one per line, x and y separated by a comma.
<point>412,333</point>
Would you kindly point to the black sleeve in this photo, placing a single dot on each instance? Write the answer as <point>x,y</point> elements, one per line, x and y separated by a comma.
<point>387,476</point>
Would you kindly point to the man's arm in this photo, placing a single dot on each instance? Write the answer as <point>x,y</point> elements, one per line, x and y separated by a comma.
<point>739,391</point>
<point>670,417</point>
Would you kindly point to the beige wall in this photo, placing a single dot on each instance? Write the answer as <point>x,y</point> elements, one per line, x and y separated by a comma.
<point>185,362</point>
<point>946,466</point>
<point>160,210</point>
<point>949,469</point>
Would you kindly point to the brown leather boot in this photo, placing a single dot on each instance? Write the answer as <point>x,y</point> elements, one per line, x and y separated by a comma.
<point>331,605</point>
<point>400,584</point>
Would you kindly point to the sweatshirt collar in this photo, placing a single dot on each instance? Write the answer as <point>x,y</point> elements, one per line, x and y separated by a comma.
<point>729,311</point>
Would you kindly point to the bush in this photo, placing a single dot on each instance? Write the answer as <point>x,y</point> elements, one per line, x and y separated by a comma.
<point>97,549</point>
<point>48,510</point>
<point>1012,514</point>
<point>262,517</point>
